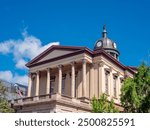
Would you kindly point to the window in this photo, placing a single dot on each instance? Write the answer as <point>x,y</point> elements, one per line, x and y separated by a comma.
<point>115,86</point>
<point>63,84</point>
<point>106,82</point>
<point>52,84</point>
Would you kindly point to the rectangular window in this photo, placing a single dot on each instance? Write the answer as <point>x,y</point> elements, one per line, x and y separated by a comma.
<point>115,86</point>
<point>106,82</point>
<point>52,84</point>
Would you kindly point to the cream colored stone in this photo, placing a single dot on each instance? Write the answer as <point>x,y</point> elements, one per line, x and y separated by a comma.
<point>85,77</point>
<point>29,84</point>
<point>37,84</point>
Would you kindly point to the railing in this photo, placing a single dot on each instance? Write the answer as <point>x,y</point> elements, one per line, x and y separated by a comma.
<point>27,99</point>
<point>48,96</point>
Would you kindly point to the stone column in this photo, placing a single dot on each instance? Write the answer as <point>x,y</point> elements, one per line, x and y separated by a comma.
<point>92,86</point>
<point>48,81</point>
<point>37,84</point>
<point>84,78</point>
<point>72,79</point>
<point>29,84</point>
<point>101,78</point>
<point>59,79</point>
<point>111,84</point>
<point>118,85</point>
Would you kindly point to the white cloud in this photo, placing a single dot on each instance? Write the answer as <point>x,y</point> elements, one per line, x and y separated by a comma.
<point>24,49</point>
<point>21,64</point>
<point>20,79</point>
<point>8,76</point>
<point>6,46</point>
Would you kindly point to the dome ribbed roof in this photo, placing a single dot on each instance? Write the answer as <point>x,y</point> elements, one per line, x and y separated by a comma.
<point>107,44</point>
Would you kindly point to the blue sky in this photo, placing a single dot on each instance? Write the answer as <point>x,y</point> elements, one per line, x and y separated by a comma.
<point>27,27</point>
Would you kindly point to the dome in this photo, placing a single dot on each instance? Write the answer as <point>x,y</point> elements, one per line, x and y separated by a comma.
<point>107,44</point>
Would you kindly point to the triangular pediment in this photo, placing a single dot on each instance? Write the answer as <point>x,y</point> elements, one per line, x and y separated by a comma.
<point>54,52</point>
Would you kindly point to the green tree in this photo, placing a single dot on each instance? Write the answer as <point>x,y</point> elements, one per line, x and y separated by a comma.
<point>135,92</point>
<point>102,105</point>
<point>4,105</point>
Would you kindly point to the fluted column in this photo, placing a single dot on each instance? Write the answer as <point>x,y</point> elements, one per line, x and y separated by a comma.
<point>37,84</point>
<point>118,85</point>
<point>72,79</point>
<point>48,81</point>
<point>101,79</point>
<point>92,86</point>
<point>59,78</point>
<point>84,78</point>
<point>29,84</point>
<point>110,89</point>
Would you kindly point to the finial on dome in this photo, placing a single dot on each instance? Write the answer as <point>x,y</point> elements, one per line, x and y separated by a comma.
<point>104,27</point>
<point>104,33</point>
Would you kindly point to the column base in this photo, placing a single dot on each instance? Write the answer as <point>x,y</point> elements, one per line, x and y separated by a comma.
<point>20,101</point>
<point>84,99</point>
<point>56,96</point>
<point>35,98</point>
<point>75,100</point>
<point>48,96</point>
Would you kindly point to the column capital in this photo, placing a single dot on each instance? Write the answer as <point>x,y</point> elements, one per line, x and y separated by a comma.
<point>48,69</point>
<point>84,60</point>
<point>118,73</point>
<point>59,66</point>
<point>101,63</point>
<point>110,68</point>
<point>92,65</point>
<point>37,72</point>
<point>29,74</point>
<point>72,63</point>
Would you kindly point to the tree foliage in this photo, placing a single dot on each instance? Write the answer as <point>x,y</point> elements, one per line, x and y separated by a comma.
<point>135,92</point>
<point>102,105</point>
<point>4,105</point>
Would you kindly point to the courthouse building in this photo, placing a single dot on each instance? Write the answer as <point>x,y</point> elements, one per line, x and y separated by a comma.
<point>65,78</point>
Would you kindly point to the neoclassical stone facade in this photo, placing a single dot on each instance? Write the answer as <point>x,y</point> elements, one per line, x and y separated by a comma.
<point>65,78</point>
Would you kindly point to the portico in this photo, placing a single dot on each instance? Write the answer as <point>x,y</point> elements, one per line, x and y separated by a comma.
<point>71,72</point>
